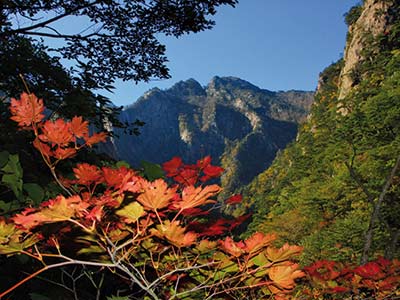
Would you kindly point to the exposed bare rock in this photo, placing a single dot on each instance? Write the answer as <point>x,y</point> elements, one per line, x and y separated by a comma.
<point>372,21</point>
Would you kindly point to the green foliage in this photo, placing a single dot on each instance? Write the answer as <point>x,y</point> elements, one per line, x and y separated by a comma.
<point>354,13</point>
<point>320,192</point>
<point>151,171</point>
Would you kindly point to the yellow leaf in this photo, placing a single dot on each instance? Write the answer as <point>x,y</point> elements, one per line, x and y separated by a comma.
<point>131,212</point>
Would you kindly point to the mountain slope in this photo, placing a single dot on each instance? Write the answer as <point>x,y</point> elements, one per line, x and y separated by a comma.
<point>232,120</point>
<point>336,189</point>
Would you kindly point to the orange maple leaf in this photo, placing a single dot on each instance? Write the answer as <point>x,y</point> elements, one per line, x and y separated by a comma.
<point>87,174</point>
<point>55,210</point>
<point>231,247</point>
<point>28,110</point>
<point>156,194</point>
<point>283,276</point>
<point>63,153</point>
<point>79,127</point>
<point>283,253</point>
<point>258,240</point>
<point>192,196</point>
<point>57,132</point>
<point>175,233</point>
<point>96,138</point>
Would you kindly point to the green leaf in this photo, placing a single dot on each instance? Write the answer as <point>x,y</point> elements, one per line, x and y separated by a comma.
<point>15,183</point>
<point>3,158</point>
<point>122,163</point>
<point>131,212</point>
<point>35,192</point>
<point>260,260</point>
<point>13,166</point>
<point>118,298</point>
<point>151,171</point>
<point>9,205</point>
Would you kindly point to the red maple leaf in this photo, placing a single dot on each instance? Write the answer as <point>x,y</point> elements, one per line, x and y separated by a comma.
<point>57,133</point>
<point>204,162</point>
<point>172,166</point>
<point>370,270</point>
<point>213,171</point>
<point>64,153</point>
<point>79,128</point>
<point>187,177</point>
<point>234,199</point>
<point>28,110</point>
<point>87,174</point>
<point>96,138</point>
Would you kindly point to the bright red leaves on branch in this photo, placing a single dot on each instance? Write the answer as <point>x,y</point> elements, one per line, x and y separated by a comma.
<point>117,208</point>
<point>57,132</point>
<point>235,199</point>
<point>191,174</point>
<point>28,110</point>
<point>58,139</point>
<point>87,174</point>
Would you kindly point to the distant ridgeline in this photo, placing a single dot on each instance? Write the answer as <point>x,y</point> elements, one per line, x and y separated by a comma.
<point>336,189</point>
<point>240,125</point>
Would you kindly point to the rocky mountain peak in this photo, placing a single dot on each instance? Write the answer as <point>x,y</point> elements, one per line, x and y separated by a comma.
<point>370,19</point>
<point>187,88</point>
<point>240,125</point>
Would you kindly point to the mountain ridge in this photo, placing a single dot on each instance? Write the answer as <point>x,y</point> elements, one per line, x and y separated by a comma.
<point>227,119</point>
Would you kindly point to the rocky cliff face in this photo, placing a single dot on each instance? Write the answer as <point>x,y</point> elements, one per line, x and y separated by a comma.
<point>372,21</point>
<point>321,190</point>
<point>237,123</point>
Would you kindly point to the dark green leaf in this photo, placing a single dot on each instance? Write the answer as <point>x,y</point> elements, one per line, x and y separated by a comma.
<point>35,192</point>
<point>151,171</point>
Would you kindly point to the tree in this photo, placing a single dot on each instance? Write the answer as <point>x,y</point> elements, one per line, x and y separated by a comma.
<point>120,39</point>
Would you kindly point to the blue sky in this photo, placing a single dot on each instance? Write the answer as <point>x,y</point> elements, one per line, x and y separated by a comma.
<point>274,44</point>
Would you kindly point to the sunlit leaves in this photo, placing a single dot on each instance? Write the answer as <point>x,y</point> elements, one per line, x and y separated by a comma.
<point>285,252</point>
<point>114,214</point>
<point>57,133</point>
<point>28,110</point>
<point>55,210</point>
<point>190,174</point>
<point>175,233</point>
<point>155,195</point>
<point>131,212</point>
<point>87,174</point>
<point>14,240</point>
<point>284,275</point>
<point>258,241</point>
<point>192,196</point>
<point>54,138</point>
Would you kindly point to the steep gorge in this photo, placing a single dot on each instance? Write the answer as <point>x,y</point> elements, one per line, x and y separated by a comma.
<point>237,123</point>
<point>327,191</point>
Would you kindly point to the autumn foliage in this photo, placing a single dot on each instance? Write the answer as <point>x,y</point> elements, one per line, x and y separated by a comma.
<point>159,237</point>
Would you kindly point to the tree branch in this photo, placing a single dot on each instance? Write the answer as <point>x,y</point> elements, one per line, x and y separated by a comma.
<point>25,30</point>
<point>375,212</point>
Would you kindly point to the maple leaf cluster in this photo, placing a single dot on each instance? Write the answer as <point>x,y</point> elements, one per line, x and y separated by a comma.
<point>57,139</point>
<point>377,279</point>
<point>163,228</point>
<point>190,174</point>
